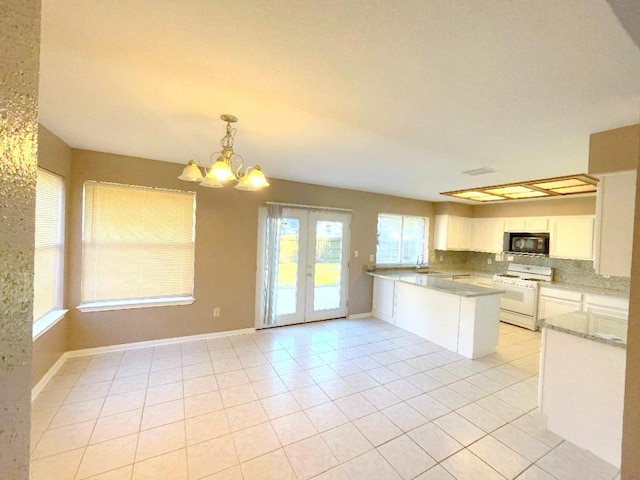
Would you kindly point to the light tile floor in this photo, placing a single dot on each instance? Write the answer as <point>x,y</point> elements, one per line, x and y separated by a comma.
<point>341,399</point>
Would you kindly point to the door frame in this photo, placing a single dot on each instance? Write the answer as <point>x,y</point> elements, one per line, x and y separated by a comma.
<point>260,260</point>
<point>311,315</point>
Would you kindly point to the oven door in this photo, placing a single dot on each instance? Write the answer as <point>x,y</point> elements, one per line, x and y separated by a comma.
<point>520,300</point>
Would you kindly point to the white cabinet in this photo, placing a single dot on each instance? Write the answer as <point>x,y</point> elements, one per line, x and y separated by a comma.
<point>526,224</point>
<point>452,233</point>
<point>466,325</point>
<point>606,305</point>
<point>555,301</point>
<point>582,392</point>
<point>572,237</point>
<point>487,235</point>
<point>615,207</point>
<point>384,296</point>
<point>550,307</point>
<point>429,314</point>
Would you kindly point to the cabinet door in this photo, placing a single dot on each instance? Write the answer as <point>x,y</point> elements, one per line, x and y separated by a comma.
<point>572,237</point>
<point>452,233</point>
<point>550,307</point>
<point>383,304</point>
<point>487,235</point>
<point>615,209</point>
<point>537,224</point>
<point>515,225</point>
<point>460,233</point>
<point>441,232</point>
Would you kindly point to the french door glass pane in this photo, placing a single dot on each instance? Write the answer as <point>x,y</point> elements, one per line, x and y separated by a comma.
<point>288,266</point>
<point>328,265</point>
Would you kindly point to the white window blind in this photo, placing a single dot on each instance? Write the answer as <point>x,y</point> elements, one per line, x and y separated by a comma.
<point>401,239</point>
<point>137,243</point>
<point>49,244</point>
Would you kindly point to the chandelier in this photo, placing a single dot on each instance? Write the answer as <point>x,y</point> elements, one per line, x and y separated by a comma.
<point>228,166</point>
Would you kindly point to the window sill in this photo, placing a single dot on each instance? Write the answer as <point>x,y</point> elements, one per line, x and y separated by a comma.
<point>47,321</point>
<point>137,303</point>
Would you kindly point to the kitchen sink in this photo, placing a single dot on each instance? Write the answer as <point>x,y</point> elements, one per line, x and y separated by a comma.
<point>427,271</point>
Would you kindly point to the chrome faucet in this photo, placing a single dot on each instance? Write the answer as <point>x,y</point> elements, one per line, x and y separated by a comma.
<point>419,261</point>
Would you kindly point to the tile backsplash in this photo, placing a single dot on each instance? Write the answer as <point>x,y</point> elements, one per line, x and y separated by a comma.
<point>578,272</point>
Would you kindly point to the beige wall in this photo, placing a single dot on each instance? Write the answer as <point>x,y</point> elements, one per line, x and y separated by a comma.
<point>19,66</point>
<point>55,156</point>
<point>631,420</point>
<point>226,244</point>
<point>453,208</point>
<point>544,208</point>
<point>47,350</point>
<point>614,150</point>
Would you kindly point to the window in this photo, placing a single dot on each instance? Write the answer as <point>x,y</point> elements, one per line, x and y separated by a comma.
<point>138,246</point>
<point>49,248</point>
<point>402,239</point>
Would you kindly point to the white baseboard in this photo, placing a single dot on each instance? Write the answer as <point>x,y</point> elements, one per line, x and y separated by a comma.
<point>35,391</point>
<point>359,315</point>
<point>156,343</point>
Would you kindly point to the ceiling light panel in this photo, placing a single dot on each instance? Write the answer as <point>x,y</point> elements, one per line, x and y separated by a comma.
<point>529,194</point>
<point>509,190</point>
<point>576,189</point>
<point>558,186</point>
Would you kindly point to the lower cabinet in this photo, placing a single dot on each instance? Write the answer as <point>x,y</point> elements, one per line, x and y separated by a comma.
<point>466,325</point>
<point>384,298</point>
<point>555,301</point>
<point>416,314</point>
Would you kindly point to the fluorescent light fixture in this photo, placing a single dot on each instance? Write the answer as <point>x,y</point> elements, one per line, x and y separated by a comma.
<point>547,187</point>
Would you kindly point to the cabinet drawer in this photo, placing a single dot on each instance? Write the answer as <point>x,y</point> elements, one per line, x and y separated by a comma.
<point>606,301</point>
<point>562,294</point>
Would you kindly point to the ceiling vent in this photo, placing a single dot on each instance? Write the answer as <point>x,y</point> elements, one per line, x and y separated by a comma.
<point>479,171</point>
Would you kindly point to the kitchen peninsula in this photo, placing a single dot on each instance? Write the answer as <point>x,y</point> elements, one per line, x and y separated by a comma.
<point>582,370</point>
<point>458,316</point>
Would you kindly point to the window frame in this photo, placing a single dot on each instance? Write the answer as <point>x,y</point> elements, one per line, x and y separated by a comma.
<point>47,320</point>
<point>425,241</point>
<point>142,302</point>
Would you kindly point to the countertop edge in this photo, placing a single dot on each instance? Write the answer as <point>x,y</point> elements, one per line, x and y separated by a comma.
<point>543,324</point>
<point>587,289</point>
<point>459,293</point>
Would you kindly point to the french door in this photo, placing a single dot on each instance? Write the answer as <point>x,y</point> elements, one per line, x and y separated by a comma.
<point>313,269</point>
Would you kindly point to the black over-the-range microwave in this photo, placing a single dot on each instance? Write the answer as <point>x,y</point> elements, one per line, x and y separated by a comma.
<point>527,243</point>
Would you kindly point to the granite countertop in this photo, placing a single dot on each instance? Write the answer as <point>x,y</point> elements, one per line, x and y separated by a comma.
<point>433,282</point>
<point>587,289</point>
<point>596,327</point>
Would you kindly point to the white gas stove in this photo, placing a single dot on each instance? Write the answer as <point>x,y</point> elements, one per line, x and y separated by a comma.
<point>519,303</point>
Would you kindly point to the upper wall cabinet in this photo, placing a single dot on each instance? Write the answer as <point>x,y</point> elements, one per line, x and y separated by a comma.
<point>572,237</point>
<point>529,224</point>
<point>615,207</point>
<point>452,233</point>
<point>487,235</point>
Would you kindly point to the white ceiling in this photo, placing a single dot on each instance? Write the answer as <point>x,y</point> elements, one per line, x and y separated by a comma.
<point>386,96</point>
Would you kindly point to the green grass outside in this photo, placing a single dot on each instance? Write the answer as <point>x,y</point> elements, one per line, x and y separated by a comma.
<point>327,274</point>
